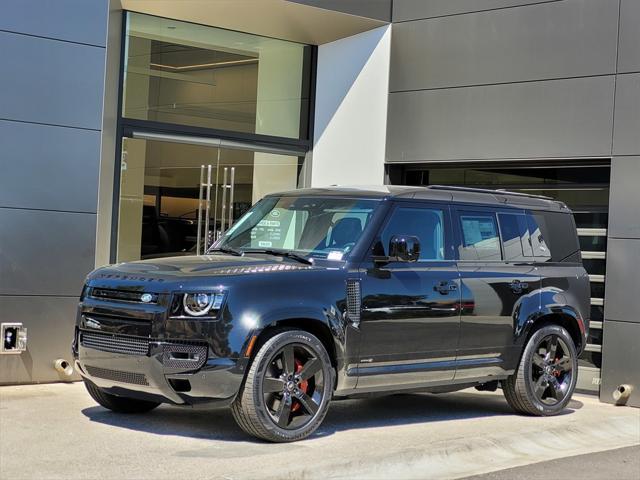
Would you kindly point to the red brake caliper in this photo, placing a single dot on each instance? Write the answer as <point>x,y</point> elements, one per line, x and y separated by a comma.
<point>302,385</point>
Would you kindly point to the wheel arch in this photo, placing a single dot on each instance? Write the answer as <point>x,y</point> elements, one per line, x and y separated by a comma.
<point>565,317</point>
<point>313,326</point>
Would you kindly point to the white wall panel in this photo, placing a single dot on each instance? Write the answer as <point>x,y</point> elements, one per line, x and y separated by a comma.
<point>351,109</point>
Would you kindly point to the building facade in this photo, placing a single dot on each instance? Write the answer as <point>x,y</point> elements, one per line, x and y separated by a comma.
<point>131,127</point>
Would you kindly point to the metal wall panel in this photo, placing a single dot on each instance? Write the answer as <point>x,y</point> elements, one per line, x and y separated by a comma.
<point>52,82</point>
<point>626,137</point>
<point>629,49</point>
<point>50,326</point>
<point>45,167</point>
<point>622,288</point>
<point>415,9</point>
<point>552,40</point>
<point>379,9</point>
<point>624,214</point>
<point>620,360</point>
<point>45,252</point>
<point>83,21</point>
<point>558,118</point>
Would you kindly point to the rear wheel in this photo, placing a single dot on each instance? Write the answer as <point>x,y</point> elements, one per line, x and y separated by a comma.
<point>287,390</point>
<point>119,404</point>
<point>547,373</point>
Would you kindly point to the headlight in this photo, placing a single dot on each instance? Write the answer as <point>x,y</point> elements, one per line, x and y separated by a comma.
<point>197,304</point>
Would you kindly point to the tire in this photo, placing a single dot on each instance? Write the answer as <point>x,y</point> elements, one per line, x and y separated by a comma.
<point>288,387</point>
<point>119,404</point>
<point>546,376</point>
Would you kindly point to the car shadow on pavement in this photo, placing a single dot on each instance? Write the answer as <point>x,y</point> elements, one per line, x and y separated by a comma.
<point>348,414</point>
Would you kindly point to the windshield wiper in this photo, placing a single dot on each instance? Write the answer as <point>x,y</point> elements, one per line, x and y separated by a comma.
<point>282,253</point>
<point>229,250</point>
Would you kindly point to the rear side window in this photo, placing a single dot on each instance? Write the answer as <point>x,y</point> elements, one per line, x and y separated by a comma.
<point>480,239</point>
<point>516,243</point>
<point>553,236</point>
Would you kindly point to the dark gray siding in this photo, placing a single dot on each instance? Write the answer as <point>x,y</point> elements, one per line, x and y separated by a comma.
<point>554,40</point>
<point>51,93</point>
<point>626,134</point>
<point>378,9</point>
<point>38,165</point>
<point>404,10</point>
<point>77,21</point>
<point>629,53</point>
<point>555,118</point>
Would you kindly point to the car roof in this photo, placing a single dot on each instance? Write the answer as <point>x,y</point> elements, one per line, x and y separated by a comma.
<point>432,192</point>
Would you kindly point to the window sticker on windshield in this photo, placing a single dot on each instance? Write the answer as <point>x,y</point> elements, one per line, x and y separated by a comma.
<point>265,244</point>
<point>334,255</point>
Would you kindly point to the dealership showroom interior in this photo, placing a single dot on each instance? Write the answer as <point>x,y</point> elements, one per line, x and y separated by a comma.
<point>148,132</point>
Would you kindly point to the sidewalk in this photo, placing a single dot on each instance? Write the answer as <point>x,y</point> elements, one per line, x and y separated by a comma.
<point>56,431</point>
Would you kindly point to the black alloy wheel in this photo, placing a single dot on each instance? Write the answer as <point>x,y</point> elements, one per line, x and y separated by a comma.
<point>287,390</point>
<point>552,370</point>
<point>547,374</point>
<point>293,386</point>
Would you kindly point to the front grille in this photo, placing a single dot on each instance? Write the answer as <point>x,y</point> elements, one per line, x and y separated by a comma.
<point>184,356</point>
<point>353,301</point>
<point>115,343</point>
<point>123,295</point>
<point>118,375</point>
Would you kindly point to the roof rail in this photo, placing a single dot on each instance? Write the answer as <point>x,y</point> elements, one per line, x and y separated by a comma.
<point>487,190</point>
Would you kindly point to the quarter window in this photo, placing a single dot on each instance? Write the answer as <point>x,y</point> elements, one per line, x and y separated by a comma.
<point>425,223</point>
<point>480,237</point>
<point>539,245</point>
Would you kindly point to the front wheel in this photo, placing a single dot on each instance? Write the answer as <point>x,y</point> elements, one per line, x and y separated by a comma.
<point>119,404</point>
<point>288,387</point>
<point>547,373</point>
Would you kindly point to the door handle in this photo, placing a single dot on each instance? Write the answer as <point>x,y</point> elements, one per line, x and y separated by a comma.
<point>518,287</point>
<point>445,286</point>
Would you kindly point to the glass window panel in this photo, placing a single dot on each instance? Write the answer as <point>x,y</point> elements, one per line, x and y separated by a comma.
<point>480,237</point>
<point>590,359</point>
<point>597,290</point>
<point>319,227</point>
<point>593,243</point>
<point>188,74</point>
<point>538,241</point>
<point>425,223</point>
<point>515,236</point>
<point>160,204</point>
<point>597,313</point>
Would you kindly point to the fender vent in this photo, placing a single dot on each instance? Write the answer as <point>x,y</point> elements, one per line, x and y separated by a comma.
<point>354,302</point>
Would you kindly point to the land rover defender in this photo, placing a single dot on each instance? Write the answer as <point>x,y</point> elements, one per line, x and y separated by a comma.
<point>339,291</point>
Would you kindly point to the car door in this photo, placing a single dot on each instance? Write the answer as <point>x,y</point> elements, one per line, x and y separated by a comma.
<point>410,310</point>
<point>498,281</point>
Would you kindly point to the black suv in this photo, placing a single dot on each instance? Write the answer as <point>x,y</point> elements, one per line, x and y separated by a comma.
<point>329,292</point>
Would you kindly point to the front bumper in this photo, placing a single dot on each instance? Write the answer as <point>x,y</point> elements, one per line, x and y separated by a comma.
<point>178,373</point>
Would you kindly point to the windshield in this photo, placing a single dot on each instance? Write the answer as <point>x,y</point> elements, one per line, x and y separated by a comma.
<point>315,227</point>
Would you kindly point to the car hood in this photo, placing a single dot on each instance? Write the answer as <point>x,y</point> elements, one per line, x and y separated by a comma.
<point>185,267</point>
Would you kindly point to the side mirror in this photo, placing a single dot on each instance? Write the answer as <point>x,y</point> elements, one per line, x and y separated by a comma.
<point>404,248</point>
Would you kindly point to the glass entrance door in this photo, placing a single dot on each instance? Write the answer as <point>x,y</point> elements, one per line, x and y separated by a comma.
<point>176,197</point>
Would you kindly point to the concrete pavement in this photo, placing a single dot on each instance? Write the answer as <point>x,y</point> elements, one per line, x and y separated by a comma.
<point>57,431</point>
<point>619,464</point>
